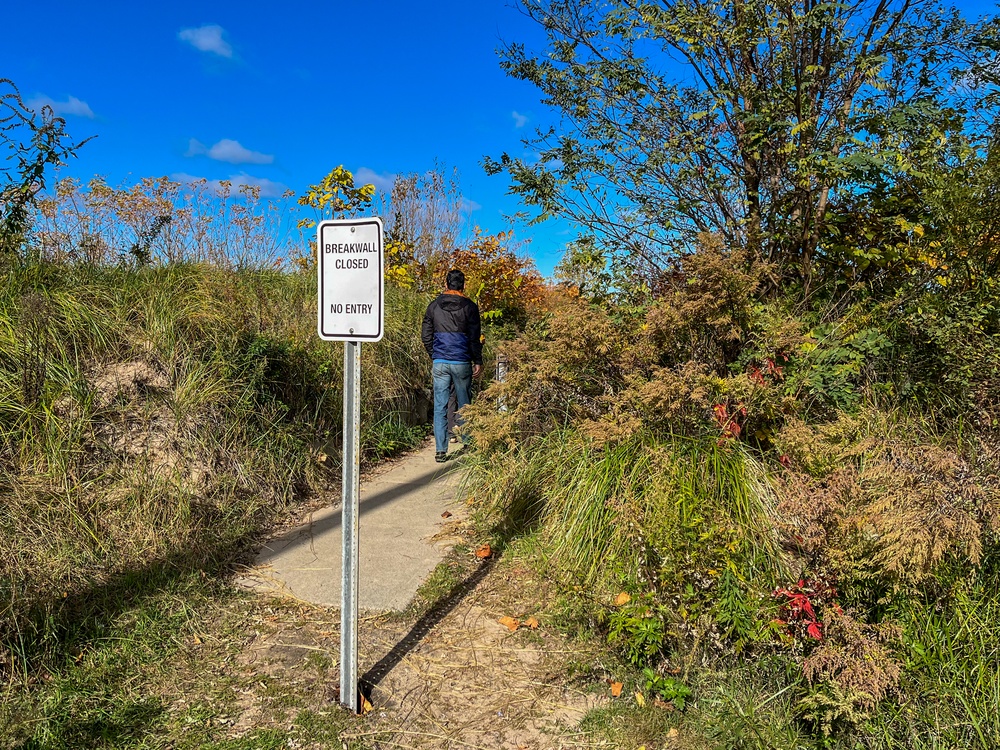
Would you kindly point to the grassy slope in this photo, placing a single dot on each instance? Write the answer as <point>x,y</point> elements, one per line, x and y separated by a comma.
<point>152,423</point>
<point>664,521</point>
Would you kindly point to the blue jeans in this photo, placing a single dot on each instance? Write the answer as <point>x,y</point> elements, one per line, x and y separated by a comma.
<point>446,373</point>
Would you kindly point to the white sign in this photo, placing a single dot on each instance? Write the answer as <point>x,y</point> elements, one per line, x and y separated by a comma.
<point>351,283</point>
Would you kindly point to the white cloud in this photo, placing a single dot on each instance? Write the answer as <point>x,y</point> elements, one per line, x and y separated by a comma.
<point>207,39</point>
<point>231,151</point>
<point>519,120</point>
<point>268,188</point>
<point>195,148</point>
<point>382,182</point>
<point>468,206</point>
<point>72,106</point>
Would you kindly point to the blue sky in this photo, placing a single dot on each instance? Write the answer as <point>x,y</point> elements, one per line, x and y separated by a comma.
<point>279,93</point>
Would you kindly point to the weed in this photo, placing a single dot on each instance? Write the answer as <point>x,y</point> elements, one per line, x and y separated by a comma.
<point>667,688</point>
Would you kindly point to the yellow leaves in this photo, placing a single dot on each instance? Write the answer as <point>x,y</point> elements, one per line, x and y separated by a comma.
<point>397,264</point>
<point>366,706</point>
<point>531,622</point>
<point>399,276</point>
<point>908,226</point>
<point>801,125</point>
<point>616,689</point>
<point>622,599</point>
<point>336,193</point>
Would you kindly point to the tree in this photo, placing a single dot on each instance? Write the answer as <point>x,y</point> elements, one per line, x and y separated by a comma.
<point>335,195</point>
<point>24,164</point>
<point>425,221</point>
<point>583,269</point>
<point>752,119</point>
<point>504,284</point>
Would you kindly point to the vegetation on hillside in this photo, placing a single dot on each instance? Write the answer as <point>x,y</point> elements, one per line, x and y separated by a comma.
<point>754,435</point>
<point>164,401</point>
<point>751,435</point>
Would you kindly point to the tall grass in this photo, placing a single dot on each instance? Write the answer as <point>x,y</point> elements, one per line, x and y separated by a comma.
<point>690,529</point>
<point>153,419</point>
<point>605,509</point>
<point>951,687</point>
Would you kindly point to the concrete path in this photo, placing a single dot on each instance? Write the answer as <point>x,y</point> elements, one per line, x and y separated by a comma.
<point>401,513</point>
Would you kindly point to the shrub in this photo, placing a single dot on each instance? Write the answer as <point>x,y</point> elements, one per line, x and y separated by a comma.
<point>888,512</point>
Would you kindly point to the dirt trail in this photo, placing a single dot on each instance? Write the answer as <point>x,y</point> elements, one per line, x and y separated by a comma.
<point>444,672</point>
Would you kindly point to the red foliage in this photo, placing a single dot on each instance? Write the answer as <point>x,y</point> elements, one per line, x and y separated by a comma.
<point>799,604</point>
<point>731,428</point>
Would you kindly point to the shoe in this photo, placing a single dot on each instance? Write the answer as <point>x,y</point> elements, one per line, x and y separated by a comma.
<point>454,439</point>
<point>441,457</point>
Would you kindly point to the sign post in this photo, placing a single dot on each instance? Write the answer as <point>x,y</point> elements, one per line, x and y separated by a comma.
<point>350,261</point>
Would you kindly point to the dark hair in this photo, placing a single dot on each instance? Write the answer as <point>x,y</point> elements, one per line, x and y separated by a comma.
<point>456,280</point>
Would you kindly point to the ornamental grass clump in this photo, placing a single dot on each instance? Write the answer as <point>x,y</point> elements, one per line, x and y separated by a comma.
<point>687,525</point>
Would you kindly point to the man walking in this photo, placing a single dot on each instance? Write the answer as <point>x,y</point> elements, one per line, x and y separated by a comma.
<point>452,336</point>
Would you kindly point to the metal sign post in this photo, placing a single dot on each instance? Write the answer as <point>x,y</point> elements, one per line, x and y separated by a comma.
<point>350,260</point>
<point>349,524</point>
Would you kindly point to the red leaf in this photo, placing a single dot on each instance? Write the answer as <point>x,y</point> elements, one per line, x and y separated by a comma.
<point>814,631</point>
<point>721,414</point>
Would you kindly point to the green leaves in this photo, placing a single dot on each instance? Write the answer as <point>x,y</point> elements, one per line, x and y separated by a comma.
<point>336,194</point>
<point>751,120</point>
<point>34,142</point>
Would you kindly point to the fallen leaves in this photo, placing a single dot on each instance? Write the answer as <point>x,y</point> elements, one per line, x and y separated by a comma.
<point>622,599</point>
<point>616,689</point>
<point>446,514</point>
<point>483,552</point>
<point>510,623</point>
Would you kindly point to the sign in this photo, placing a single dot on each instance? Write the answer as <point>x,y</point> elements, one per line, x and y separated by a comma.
<point>350,257</point>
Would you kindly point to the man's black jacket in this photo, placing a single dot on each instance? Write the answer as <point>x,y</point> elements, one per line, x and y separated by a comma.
<point>452,330</point>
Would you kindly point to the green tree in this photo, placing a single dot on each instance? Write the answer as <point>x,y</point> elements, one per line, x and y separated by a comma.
<point>584,269</point>
<point>754,119</point>
<point>31,144</point>
<point>335,195</point>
